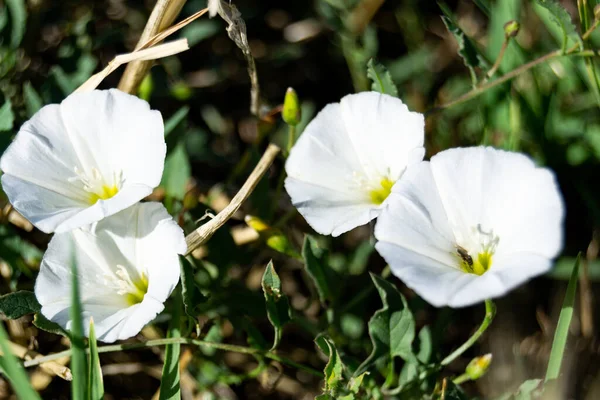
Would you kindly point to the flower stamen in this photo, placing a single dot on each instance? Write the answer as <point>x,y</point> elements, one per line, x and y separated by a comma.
<point>95,184</point>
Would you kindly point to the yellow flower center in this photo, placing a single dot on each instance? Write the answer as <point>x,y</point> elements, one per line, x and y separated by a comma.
<point>106,192</point>
<point>137,291</point>
<point>483,246</point>
<point>381,193</point>
<point>478,265</point>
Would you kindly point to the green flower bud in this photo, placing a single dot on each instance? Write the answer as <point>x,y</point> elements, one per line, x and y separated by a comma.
<point>478,366</point>
<point>511,28</point>
<point>291,112</point>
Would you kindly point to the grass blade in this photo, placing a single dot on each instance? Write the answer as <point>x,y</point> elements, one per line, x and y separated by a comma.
<point>13,370</point>
<point>95,382</point>
<point>78,357</point>
<point>562,329</point>
<point>169,383</point>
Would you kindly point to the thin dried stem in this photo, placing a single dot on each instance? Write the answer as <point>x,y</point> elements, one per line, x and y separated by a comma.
<point>163,15</point>
<point>205,232</point>
<point>52,368</point>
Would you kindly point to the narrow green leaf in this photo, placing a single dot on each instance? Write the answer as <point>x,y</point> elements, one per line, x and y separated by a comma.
<point>562,19</point>
<point>317,271</point>
<point>78,357</point>
<point>7,118</point>
<point>169,383</point>
<point>392,328</point>
<point>95,382</point>
<point>176,119</point>
<point>15,305</point>
<point>467,49</point>
<point>278,306</point>
<point>334,368</point>
<point>382,80</point>
<point>529,390</point>
<point>192,296</point>
<point>177,172</point>
<point>18,20</point>
<point>33,101</point>
<point>562,329</point>
<point>13,370</point>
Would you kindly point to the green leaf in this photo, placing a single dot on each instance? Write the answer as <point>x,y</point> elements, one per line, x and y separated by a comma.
<point>45,324</point>
<point>562,329</point>
<point>176,119</point>
<point>563,268</point>
<point>392,328</point>
<point>177,172</point>
<point>467,49</point>
<point>15,305</point>
<point>192,296</point>
<point>356,382</point>
<point>562,19</point>
<point>278,306</point>
<point>169,383</point>
<point>529,390</point>
<point>13,369</point>
<point>334,369</point>
<point>18,14</point>
<point>7,118</point>
<point>317,271</point>
<point>95,382</point>
<point>33,101</point>
<point>382,80</point>
<point>78,357</point>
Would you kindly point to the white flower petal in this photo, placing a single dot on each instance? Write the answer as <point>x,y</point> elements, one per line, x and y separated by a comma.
<point>478,200</point>
<point>213,7</point>
<point>113,258</point>
<point>346,153</point>
<point>89,147</point>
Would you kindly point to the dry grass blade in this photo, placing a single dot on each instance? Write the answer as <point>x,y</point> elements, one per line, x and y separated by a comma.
<point>168,32</point>
<point>163,15</point>
<point>52,368</point>
<point>152,53</point>
<point>205,232</point>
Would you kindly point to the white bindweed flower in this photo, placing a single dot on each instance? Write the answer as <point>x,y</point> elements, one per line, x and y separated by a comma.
<point>471,225</point>
<point>93,155</point>
<point>127,266</point>
<point>344,165</point>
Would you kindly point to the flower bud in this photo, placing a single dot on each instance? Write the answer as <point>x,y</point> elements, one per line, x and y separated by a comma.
<point>511,29</point>
<point>291,112</point>
<point>478,366</point>
<point>256,223</point>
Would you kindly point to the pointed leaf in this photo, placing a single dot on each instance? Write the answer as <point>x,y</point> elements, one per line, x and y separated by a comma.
<point>169,383</point>
<point>33,101</point>
<point>45,324</point>
<point>177,172</point>
<point>278,306</point>
<point>562,19</point>
<point>192,296</point>
<point>13,370</point>
<point>392,328</point>
<point>95,381</point>
<point>15,305</point>
<point>382,80</point>
<point>78,357</point>
<point>18,19</point>
<point>334,368</point>
<point>317,271</point>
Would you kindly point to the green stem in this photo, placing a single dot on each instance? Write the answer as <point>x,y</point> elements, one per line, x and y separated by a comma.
<point>163,342</point>
<point>461,379</point>
<point>490,312</point>
<point>573,51</point>
<point>291,138</point>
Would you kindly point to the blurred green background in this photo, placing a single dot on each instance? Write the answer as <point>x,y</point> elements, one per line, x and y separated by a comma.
<point>48,48</point>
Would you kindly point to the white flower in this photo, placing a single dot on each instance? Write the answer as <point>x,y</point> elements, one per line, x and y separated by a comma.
<point>127,266</point>
<point>471,225</point>
<point>93,155</point>
<point>213,7</point>
<point>344,165</point>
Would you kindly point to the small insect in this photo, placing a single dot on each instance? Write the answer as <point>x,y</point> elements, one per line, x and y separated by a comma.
<point>462,252</point>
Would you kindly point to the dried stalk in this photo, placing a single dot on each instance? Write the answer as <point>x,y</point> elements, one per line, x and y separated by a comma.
<point>236,30</point>
<point>362,14</point>
<point>152,53</point>
<point>52,368</point>
<point>163,15</point>
<point>205,232</point>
